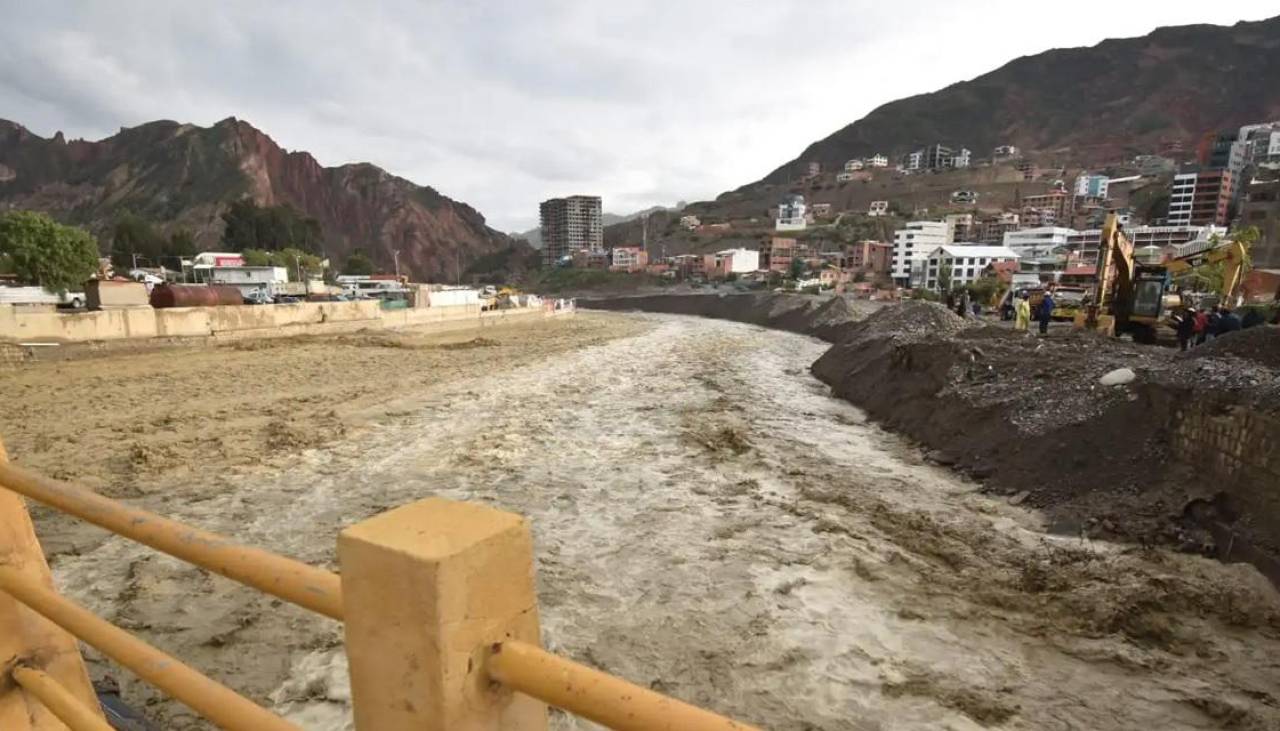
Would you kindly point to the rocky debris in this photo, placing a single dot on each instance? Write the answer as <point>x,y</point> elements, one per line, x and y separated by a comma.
<point>1258,344</point>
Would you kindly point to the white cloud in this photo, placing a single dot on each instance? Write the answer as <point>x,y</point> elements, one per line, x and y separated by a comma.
<point>503,104</point>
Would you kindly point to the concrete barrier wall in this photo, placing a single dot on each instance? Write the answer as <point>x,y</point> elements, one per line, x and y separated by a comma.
<point>241,321</point>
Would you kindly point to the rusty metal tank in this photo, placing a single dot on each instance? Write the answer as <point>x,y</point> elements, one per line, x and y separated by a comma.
<point>194,295</point>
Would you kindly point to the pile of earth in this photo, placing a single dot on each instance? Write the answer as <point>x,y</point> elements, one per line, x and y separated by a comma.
<point>1260,344</point>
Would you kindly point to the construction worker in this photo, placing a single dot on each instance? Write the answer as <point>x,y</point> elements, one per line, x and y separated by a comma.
<point>1186,329</point>
<point>1022,311</point>
<point>1046,312</point>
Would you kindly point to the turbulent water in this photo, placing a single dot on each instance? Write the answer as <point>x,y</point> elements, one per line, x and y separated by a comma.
<point>709,522</point>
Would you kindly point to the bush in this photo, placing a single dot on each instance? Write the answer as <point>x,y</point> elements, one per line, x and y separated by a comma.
<point>44,252</point>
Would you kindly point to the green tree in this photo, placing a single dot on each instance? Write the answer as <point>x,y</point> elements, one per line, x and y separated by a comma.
<point>134,236</point>
<point>44,252</point>
<point>798,268</point>
<point>944,278</point>
<point>358,264</point>
<point>182,244</point>
<point>273,228</point>
<point>984,290</point>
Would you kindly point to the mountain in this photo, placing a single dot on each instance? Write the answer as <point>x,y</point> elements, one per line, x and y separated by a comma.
<point>1084,104</point>
<point>534,235</point>
<point>182,176</point>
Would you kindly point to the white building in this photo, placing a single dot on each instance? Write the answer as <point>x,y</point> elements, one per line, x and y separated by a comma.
<point>852,165</point>
<point>877,161</point>
<point>1037,243</point>
<point>627,257</point>
<point>791,214</point>
<point>878,208</point>
<point>1006,151</point>
<point>1180,199</point>
<point>269,280</point>
<point>1086,242</point>
<point>1091,186</point>
<point>845,177</point>
<point>737,261</point>
<point>911,247</point>
<point>690,222</point>
<point>964,262</point>
<point>962,158</point>
<point>912,160</point>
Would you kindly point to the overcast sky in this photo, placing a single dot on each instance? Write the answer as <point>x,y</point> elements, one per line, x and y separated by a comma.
<point>502,104</point>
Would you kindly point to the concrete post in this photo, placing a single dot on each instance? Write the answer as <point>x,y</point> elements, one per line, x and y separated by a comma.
<point>26,637</point>
<point>427,589</point>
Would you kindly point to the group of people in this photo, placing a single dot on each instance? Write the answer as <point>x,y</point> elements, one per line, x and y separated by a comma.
<point>1043,311</point>
<point>1196,326</point>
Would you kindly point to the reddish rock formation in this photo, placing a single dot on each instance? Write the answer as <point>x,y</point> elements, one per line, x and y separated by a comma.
<point>184,176</point>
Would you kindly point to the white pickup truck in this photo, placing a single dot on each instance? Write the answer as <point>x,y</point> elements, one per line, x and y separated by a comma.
<point>41,296</point>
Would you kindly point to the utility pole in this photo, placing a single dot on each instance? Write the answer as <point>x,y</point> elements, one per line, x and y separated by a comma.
<point>395,255</point>
<point>297,260</point>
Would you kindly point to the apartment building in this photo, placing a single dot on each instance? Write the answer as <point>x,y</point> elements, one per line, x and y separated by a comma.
<point>992,230</point>
<point>777,253</point>
<point>873,258</point>
<point>911,247</point>
<point>852,165</point>
<point>964,264</point>
<point>629,258</point>
<point>960,227</point>
<point>791,214</point>
<point>1037,243</point>
<point>1084,244</point>
<point>1059,201</point>
<point>1091,186</point>
<point>878,208</point>
<point>1201,197</point>
<point>734,261</point>
<point>571,224</point>
<point>877,161</point>
<point>1261,208</point>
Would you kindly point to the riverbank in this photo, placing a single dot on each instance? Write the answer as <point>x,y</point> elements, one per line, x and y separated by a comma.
<point>1183,455</point>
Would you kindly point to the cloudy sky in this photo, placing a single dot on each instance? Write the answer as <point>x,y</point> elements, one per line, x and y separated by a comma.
<point>502,104</point>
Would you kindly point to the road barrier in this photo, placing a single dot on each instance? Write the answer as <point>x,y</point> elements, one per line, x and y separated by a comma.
<point>437,600</point>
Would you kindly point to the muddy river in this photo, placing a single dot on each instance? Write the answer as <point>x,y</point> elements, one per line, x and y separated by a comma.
<point>709,522</point>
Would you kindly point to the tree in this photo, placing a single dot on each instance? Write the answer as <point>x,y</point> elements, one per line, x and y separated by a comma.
<point>358,264</point>
<point>984,290</point>
<point>798,268</point>
<point>134,237</point>
<point>944,278</point>
<point>46,253</point>
<point>293,260</point>
<point>273,228</point>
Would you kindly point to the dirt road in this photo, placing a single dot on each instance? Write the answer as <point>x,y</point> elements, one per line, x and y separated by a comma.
<point>708,521</point>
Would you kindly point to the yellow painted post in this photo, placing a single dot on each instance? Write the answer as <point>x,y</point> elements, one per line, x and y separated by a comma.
<point>427,589</point>
<point>26,636</point>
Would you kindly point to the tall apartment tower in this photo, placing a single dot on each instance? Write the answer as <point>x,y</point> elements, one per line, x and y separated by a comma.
<point>570,224</point>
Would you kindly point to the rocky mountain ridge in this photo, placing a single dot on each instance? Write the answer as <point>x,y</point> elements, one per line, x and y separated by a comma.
<point>183,176</point>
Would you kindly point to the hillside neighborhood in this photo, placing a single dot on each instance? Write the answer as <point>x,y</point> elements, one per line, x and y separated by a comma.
<point>1174,203</point>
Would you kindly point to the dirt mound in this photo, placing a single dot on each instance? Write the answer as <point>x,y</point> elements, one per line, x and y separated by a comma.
<point>1260,344</point>
<point>910,320</point>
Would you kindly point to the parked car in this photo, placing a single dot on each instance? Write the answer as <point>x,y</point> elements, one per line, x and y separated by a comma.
<point>257,297</point>
<point>286,299</point>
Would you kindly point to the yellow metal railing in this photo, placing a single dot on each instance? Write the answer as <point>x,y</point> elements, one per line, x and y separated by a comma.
<point>439,611</point>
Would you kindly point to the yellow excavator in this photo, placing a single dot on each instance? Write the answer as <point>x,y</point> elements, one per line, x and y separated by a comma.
<point>1131,297</point>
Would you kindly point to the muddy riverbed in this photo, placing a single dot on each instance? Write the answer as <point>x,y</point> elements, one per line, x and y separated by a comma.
<point>711,523</point>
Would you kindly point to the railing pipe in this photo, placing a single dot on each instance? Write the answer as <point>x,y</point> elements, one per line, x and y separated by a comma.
<point>209,698</point>
<point>60,702</point>
<point>307,586</point>
<point>597,696</point>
